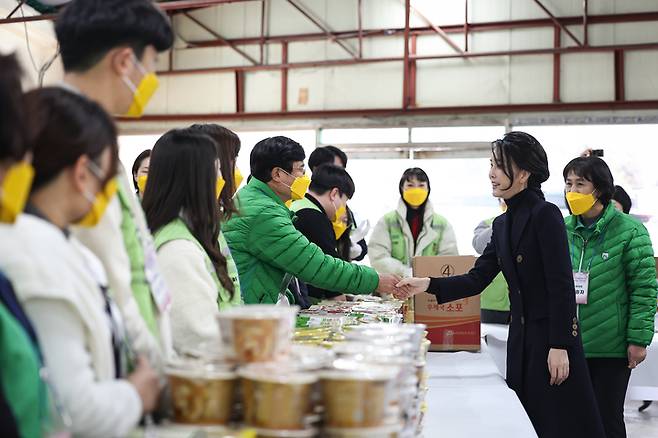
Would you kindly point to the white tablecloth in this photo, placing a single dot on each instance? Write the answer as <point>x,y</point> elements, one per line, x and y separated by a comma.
<point>644,379</point>
<point>469,398</point>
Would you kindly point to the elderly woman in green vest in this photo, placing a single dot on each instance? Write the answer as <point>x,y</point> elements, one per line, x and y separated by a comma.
<point>615,278</point>
<point>181,208</point>
<point>413,229</point>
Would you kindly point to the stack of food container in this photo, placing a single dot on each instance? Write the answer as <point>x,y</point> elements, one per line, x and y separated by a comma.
<point>346,375</point>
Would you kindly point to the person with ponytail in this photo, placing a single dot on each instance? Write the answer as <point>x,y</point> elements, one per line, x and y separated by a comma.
<point>546,364</point>
<point>413,229</point>
<point>180,202</point>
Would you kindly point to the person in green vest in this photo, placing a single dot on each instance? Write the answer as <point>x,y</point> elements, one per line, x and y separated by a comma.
<point>22,392</point>
<point>181,208</point>
<point>109,51</point>
<point>269,251</point>
<point>140,171</point>
<point>413,229</point>
<point>615,277</point>
<point>494,300</point>
<point>321,215</point>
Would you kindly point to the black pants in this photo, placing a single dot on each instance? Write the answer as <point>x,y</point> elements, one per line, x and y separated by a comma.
<point>494,316</point>
<point>610,380</point>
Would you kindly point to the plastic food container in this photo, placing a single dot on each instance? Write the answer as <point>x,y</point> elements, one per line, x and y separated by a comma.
<point>257,333</point>
<point>201,393</point>
<point>277,397</point>
<point>356,395</point>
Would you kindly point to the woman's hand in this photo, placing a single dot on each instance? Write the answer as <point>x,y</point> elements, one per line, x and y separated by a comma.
<point>558,365</point>
<point>409,287</point>
<point>636,355</point>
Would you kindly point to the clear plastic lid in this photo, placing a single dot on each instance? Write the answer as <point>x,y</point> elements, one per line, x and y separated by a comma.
<point>199,369</point>
<point>259,311</point>
<point>277,372</point>
<point>309,358</point>
<point>346,369</point>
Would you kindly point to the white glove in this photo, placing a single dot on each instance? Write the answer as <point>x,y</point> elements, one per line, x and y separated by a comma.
<point>355,251</point>
<point>360,232</point>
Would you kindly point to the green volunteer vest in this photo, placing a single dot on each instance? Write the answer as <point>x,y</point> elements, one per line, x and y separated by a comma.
<point>138,282</point>
<point>22,387</point>
<point>496,295</point>
<point>399,243</point>
<point>177,230</point>
<point>303,204</point>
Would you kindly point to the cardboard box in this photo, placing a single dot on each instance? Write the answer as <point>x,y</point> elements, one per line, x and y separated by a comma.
<point>453,326</point>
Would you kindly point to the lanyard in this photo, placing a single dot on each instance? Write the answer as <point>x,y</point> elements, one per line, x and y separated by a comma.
<point>582,254</point>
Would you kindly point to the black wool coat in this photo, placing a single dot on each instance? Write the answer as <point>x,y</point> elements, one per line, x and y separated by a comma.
<point>529,244</point>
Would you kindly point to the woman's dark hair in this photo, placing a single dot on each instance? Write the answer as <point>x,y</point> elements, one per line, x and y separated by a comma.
<point>330,176</point>
<point>137,164</point>
<point>182,179</point>
<point>228,147</point>
<point>88,29</point>
<point>622,197</point>
<point>596,171</point>
<point>417,173</point>
<point>12,114</point>
<point>526,152</point>
<point>62,127</point>
<point>274,152</point>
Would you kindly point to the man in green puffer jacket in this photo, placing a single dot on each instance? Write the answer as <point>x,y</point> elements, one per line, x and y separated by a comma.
<point>267,247</point>
<point>613,256</point>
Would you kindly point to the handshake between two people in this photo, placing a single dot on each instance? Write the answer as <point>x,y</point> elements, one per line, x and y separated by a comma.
<point>402,288</point>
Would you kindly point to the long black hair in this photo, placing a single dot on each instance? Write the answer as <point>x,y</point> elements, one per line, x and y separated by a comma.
<point>182,179</point>
<point>12,116</point>
<point>526,152</point>
<point>228,147</point>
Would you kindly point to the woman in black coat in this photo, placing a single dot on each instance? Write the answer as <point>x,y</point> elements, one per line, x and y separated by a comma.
<point>545,361</point>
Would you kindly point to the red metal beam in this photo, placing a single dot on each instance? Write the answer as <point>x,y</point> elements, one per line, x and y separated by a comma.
<point>392,112</point>
<point>557,23</point>
<point>557,43</point>
<point>405,73</point>
<point>239,91</point>
<point>322,27</point>
<point>194,4</point>
<point>436,29</point>
<point>221,38</point>
<point>284,77</point>
<point>458,28</point>
<point>342,62</point>
<point>412,73</point>
<point>620,87</point>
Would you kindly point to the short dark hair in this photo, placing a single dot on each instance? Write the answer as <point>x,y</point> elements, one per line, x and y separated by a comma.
<point>228,146</point>
<point>182,177</point>
<point>88,29</point>
<point>328,177</point>
<point>526,152</point>
<point>320,156</point>
<point>414,172</point>
<point>623,198</point>
<point>342,156</point>
<point>12,115</point>
<point>274,152</point>
<point>138,162</point>
<point>62,127</point>
<point>596,171</point>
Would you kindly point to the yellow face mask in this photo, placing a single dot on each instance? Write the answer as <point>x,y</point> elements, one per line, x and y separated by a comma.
<point>339,226</point>
<point>15,190</point>
<point>219,186</point>
<point>416,196</point>
<point>579,203</point>
<point>141,183</point>
<point>238,178</point>
<point>99,204</point>
<point>143,92</point>
<point>299,187</point>
<point>288,203</point>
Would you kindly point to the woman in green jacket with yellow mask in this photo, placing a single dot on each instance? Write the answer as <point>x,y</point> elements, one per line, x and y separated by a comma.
<point>181,208</point>
<point>615,278</point>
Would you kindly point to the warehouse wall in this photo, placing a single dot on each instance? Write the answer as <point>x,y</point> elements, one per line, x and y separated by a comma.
<point>586,77</point>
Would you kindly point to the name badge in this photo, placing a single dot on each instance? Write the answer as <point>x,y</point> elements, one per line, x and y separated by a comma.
<point>581,282</point>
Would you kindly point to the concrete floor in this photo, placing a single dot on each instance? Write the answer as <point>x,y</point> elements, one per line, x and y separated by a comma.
<point>641,424</point>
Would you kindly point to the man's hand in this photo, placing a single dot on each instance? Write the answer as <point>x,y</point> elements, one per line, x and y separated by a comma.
<point>636,355</point>
<point>558,365</point>
<point>146,382</point>
<point>387,284</point>
<point>411,286</point>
